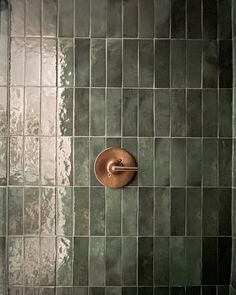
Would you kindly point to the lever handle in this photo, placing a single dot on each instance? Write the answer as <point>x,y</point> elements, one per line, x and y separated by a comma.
<point>123,168</point>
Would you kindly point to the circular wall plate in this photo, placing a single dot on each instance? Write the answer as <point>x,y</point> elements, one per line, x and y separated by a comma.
<point>115,167</point>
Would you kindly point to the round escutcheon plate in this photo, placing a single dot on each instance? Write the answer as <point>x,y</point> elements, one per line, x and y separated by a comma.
<point>115,167</point>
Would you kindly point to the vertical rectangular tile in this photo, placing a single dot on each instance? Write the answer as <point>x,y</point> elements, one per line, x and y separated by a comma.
<point>178,113</point>
<point>65,112</point>
<point>82,62</point>
<point>129,212</point>
<point>210,113</point>
<point>178,63</point>
<point>130,18</point>
<point>32,62</point>
<point>209,19</point>
<point>31,261</point>
<point>81,161</point>
<point>47,261</point>
<point>194,63</point>
<point>48,119</point>
<point>129,290</point>
<point>130,112</point>
<point>15,261</point>
<point>64,211</point>
<point>225,162</point>
<point>97,211</point>
<point>81,119</point>
<point>145,218</point>
<point>162,19</point>
<point>210,162</point>
<point>193,261</point>
<point>81,211</point>
<point>114,62</point>
<point>145,261</point>
<point>146,63</point>
<point>49,62</point>
<point>3,111</point>
<point>113,112</point>
<point>31,211</point>
<point>16,160</point>
<point>49,19</point>
<point>114,19</point>
<point>129,261</point>
<point>162,112</point>
<point>178,19</point>
<point>97,120</point>
<point>113,212</point>
<point>3,265</point>
<point>162,63</point>
<point>225,64</point>
<point>31,160</point>
<point>210,64</point>
<point>82,18</point>
<point>162,290</point>
<point>194,212</point>
<point>65,62</point>
<point>97,262</point>
<point>162,161</point>
<point>130,62</point>
<point>98,63</point>
<point>15,211</point>
<point>64,161</point>
<point>194,19</point>
<point>66,18</point>
<point>3,161</point>
<point>17,18</point>
<point>32,110</point>
<point>48,160</point>
<point>146,121</point>
<point>194,162</point>
<point>96,146</point>
<point>224,212</point>
<point>178,200</point>
<point>162,211</point>
<point>146,146</point>
<point>177,261</point>
<point>224,260</point>
<point>194,113</point>
<point>161,261</point>
<point>210,212</point>
<point>113,261</point>
<point>146,18</point>
<point>209,262</point>
<point>225,112</point>
<point>48,211</point>
<point>130,144</point>
<point>225,19</point>
<point>16,110</point>
<point>17,73</point>
<point>33,18</point>
<point>80,263</point>
<point>98,18</point>
<point>3,210</point>
<point>178,162</point>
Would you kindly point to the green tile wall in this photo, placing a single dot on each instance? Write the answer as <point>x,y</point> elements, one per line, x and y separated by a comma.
<point>152,76</point>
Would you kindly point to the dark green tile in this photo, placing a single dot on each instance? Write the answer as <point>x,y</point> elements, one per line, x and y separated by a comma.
<point>113,142</point>
<point>162,19</point>
<point>81,211</point>
<point>146,146</point>
<point>114,62</point>
<point>98,62</point>
<point>225,162</point>
<point>15,260</point>
<point>193,261</point>
<point>225,64</point>
<point>65,62</point>
<point>64,262</point>
<point>210,212</point>
<point>177,290</point>
<point>162,63</point>
<point>48,211</point>
<point>3,209</point>
<point>113,261</point>
<point>97,145</point>
<point>113,212</point>
<point>193,290</point>
<point>80,263</point>
<point>162,112</point>
<point>194,19</point>
<point>161,261</point>
<point>194,162</point>
<point>31,261</point>
<point>210,165</point>
<point>145,290</point>
<point>97,119</point>
<point>130,144</point>
<point>82,61</point>
<point>66,18</point>
<point>209,19</point>
<point>146,18</point>
<point>113,291</point>
<point>177,261</point>
<point>31,291</point>
<point>178,113</point>
<point>225,113</point>
<point>81,161</point>
<point>47,291</point>
<point>49,21</point>
<point>98,18</point>
<point>210,64</point>
<point>97,291</point>
<point>129,261</point>
<point>162,161</point>
<point>129,291</point>
<point>97,262</point>
<point>16,161</point>
<point>162,290</point>
<point>209,262</point>
<point>65,161</point>
<point>146,121</point>
<point>145,261</point>
<point>97,211</point>
<point>178,162</point>
<point>31,210</point>
<point>64,291</point>
<point>64,211</point>
<point>3,265</point>
<point>80,290</point>
<point>178,200</point>
<point>113,112</point>
<point>130,62</point>
<point>224,213</point>
<point>130,112</point>
<point>130,18</point>
<point>81,112</point>
<point>129,221</point>
<point>224,260</point>
<point>31,160</point>
<point>65,111</point>
<point>178,19</point>
<point>162,211</point>
<point>194,212</point>
<point>178,63</point>
<point>146,63</point>
<point>15,291</point>
<point>194,113</point>
<point>225,20</point>
<point>114,19</point>
<point>15,211</point>
<point>210,113</point>
<point>47,261</point>
<point>145,219</point>
<point>194,62</point>
<point>82,18</point>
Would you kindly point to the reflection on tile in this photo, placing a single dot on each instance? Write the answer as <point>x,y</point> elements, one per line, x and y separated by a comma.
<point>16,110</point>
<point>3,111</point>
<point>64,211</point>
<point>31,210</point>
<point>17,17</point>
<point>32,110</point>
<point>15,211</point>
<point>49,62</point>
<point>47,261</point>
<point>65,63</point>
<point>33,18</point>
<point>15,261</point>
<point>48,211</point>
<point>3,210</point>
<point>17,61</point>
<point>82,59</point>
<point>3,160</point>
<point>16,160</point>
<point>65,112</point>
<point>48,160</point>
<point>64,161</point>
<point>31,261</point>
<point>32,61</point>
<point>31,160</point>
<point>81,161</point>
<point>48,102</point>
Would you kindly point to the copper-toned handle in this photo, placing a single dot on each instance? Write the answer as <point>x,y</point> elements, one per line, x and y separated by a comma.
<point>123,168</point>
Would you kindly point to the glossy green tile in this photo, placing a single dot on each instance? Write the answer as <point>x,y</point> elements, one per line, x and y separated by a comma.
<point>81,120</point>
<point>224,212</point>
<point>114,62</point>
<point>97,262</point>
<point>31,210</point>
<point>194,63</point>
<point>129,290</point>
<point>66,18</point>
<point>113,142</point>
<point>31,291</point>
<point>178,113</point>
<point>97,145</point>
<point>194,25</point>
<point>48,211</point>
<point>194,113</point>
<point>130,18</point>
<point>15,290</point>
<point>178,19</point>
<point>80,290</point>
<point>129,112</point>
<point>80,263</point>
<point>65,111</point>
<point>17,61</point>
<point>47,261</point>
<point>194,212</point>
<point>130,144</point>
<point>82,62</point>
<point>145,218</point>
<point>194,162</point>
<point>96,290</point>
<point>178,162</point>
<point>162,19</point>
<point>97,211</point>
<point>65,62</point>
<point>145,261</point>
<point>98,18</point>
<point>3,210</point>
<point>162,211</point>
<point>17,18</point>
<point>162,290</point>
<point>16,110</point>
<point>15,211</point>
<point>129,263</point>
<point>146,121</point>
<point>114,19</point>
<point>210,113</point>
<point>178,63</point>
<point>48,119</point>
<point>64,262</point>
<point>48,160</point>
<point>225,113</point>
<point>3,111</point>
<point>49,18</point>
<point>178,201</point>
<point>47,291</point>
<point>224,260</point>
<point>113,291</point>
<point>209,262</point>
<point>145,174</point>
<point>162,112</point>
<point>16,160</point>
<point>3,160</point>
<point>81,161</point>
<point>98,63</point>
<point>33,14</point>
<point>32,62</point>
<point>161,261</point>
<point>113,212</point>
<point>64,291</point>
<point>64,161</point>
<point>31,160</point>
<point>129,212</point>
<point>145,290</point>
<point>210,162</point>
<point>64,201</point>
<point>97,119</point>
<point>146,63</point>
<point>82,18</point>
<point>113,112</point>
<point>193,261</point>
<point>15,261</point>
<point>113,261</point>
<point>210,64</point>
<point>162,63</point>
<point>225,160</point>
<point>81,211</point>
<point>31,261</point>
<point>146,18</point>
<point>210,212</point>
<point>49,62</point>
<point>177,261</point>
<point>130,62</point>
